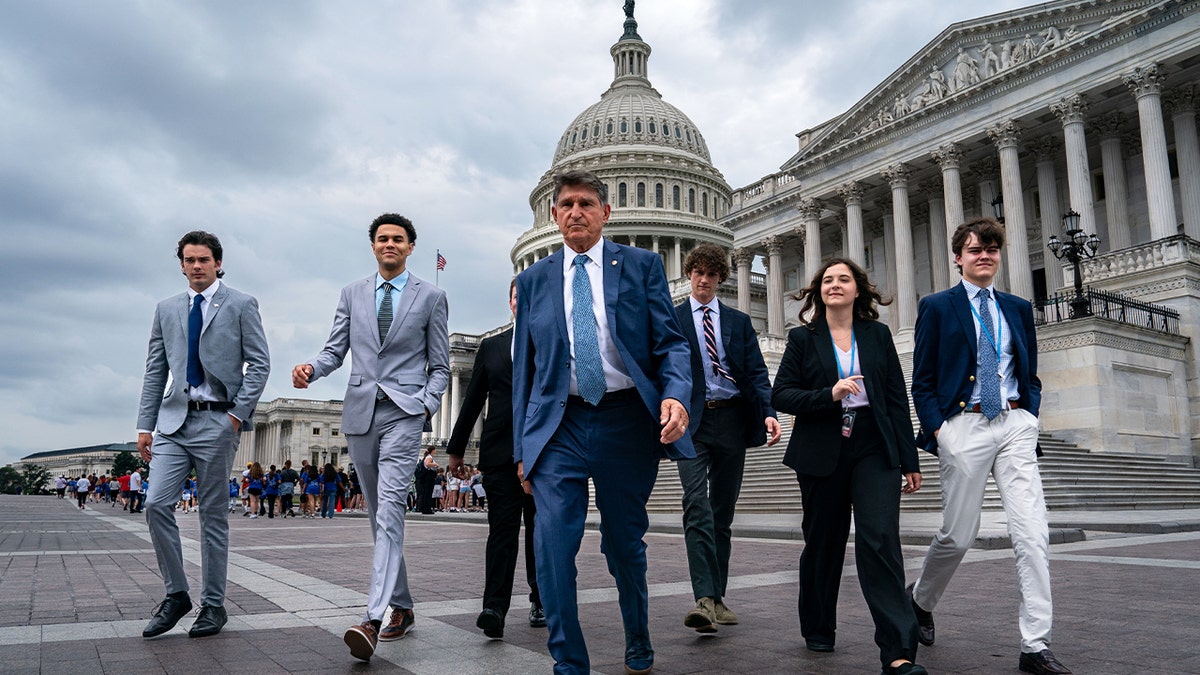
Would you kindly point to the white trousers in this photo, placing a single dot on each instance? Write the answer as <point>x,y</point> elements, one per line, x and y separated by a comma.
<point>969,448</point>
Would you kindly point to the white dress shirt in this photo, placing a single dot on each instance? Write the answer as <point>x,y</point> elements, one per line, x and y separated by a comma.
<point>715,387</point>
<point>616,377</point>
<point>1008,383</point>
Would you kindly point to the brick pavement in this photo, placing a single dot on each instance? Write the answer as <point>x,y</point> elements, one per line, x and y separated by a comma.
<point>76,589</point>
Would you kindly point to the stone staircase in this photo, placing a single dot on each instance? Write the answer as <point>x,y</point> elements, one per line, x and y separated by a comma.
<point>1072,477</point>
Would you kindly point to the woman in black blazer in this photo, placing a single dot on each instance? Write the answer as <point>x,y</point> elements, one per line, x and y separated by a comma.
<point>851,442</point>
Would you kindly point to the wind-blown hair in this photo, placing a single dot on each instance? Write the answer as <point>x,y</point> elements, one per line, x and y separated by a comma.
<point>864,304</point>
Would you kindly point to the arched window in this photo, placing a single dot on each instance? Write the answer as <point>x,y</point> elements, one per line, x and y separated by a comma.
<point>637,126</point>
<point>675,197</point>
<point>704,203</point>
<point>658,195</point>
<point>596,129</point>
<point>691,200</point>
<point>666,130</point>
<point>584,136</point>
<point>622,195</point>
<point>608,128</point>
<point>573,137</point>
<point>641,196</point>
<point>653,127</point>
<point>624,126</point>
<point>678,134</point>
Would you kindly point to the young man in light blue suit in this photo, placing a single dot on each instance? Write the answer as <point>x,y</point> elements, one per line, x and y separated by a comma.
<point>601,381</point>
<point>394,324</point>
<point>210,340</point>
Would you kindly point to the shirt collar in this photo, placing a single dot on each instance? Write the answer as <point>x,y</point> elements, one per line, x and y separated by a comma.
<point>208,293</point>
<point>399,281</point>
<point>973,290</point>
<point>712,304</point>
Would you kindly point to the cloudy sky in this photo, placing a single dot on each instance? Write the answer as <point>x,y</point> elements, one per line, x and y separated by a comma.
<point>285,127</point>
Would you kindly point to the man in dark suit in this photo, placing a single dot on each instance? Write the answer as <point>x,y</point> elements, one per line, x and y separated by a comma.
<point>731,411</point>
<point>509,501</point>
<point>210,340</point>
<point>601,376</point>
<point>977,394</point>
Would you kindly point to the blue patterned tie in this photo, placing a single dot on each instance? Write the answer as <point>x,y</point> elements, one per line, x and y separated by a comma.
<point>589,373</point>
<point>989,365</point>
<point>195,373</point>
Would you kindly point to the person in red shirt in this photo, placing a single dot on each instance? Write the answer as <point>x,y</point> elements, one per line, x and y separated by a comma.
<point>124,483</point>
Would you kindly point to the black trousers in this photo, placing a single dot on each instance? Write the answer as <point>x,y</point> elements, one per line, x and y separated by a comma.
<point>865,484</point>
<point>425,495</point>
<point>508,506</point>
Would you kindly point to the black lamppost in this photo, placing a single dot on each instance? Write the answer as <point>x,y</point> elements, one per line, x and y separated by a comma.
<point>1077,246</point>
<point>998,208</point>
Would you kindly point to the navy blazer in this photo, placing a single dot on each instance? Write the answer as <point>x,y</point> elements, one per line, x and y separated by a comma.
<point>641,321</point>
<point>745,363</point>
<point>944,358</point>
<point>804,388</point>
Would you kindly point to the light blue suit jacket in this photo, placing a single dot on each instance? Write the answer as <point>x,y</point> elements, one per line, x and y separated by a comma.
<point>645,331</point>
<point>233,351</point>
<point>411,365</point>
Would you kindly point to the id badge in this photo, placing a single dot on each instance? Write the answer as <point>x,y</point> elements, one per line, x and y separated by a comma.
<point>848,421</point>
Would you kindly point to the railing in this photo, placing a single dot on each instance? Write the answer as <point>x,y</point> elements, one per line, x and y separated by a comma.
<point>1151,255</point>
<point>1057,308</point>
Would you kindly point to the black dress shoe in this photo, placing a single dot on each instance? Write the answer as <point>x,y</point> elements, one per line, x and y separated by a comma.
<point>905,669</point>
<point>925,633</point>
<point>492,624</point>
<point>167,614</point>
<point>1042,663</point>
<point>537,617</point>
<point>818,645</point>
<point>210,621</point>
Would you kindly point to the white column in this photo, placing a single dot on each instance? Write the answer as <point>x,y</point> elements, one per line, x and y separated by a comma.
<point>676,259</point>
<point>906,281</point>
<point>443,430</point>
<point>939,242</point>
<point>1046,150</point>
<point>986,171</point>
<point>774,285</point>
<point>1007,137</point>
<point>1072,111</point>
<point>456,399</point>
<point>1116,189</point>
<point>743,258</point>
<point>949,157</point>
<point>810,211</point>
<point>852,193</point>
<point>1181,105</point>
<point>886,223</point>
<point>654,243</point>
<point>1146,85</point>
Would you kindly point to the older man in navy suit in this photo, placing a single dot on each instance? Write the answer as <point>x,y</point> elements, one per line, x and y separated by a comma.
<point>601,380</point>
<point>977,394</point>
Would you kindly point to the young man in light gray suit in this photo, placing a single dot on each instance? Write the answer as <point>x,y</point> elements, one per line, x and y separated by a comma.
<point>395,326</point>
<point>210,340</point>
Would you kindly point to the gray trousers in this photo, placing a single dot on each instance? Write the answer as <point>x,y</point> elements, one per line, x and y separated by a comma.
<point>386,457</point>
<point>711,484</point>
<point>207,443</point>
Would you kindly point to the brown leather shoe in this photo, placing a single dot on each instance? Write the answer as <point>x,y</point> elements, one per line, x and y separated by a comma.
<point>1042,663</point>
<point>361,640</point>
<point>398,626</point>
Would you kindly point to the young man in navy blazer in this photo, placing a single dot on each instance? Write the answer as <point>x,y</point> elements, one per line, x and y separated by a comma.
<point>977,394</point>
<point>731,411</point>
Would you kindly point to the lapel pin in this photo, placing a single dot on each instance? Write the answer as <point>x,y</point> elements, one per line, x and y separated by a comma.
<point>614,262</point>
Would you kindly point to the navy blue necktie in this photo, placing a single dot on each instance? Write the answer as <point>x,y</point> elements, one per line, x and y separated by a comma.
<point>589,372</point>
<point>988,360</point>
<point>195,373</point>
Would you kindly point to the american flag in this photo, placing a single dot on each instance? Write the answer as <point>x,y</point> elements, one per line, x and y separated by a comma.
<point>441,262</point>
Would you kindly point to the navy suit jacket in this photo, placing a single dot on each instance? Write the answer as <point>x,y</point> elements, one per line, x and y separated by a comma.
<point>745,362</point>
<point>945,355</point>
<point>642,322</point>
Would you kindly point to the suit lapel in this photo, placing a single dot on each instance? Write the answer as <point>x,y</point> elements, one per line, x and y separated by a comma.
<point>407,298</point>
<point>553,269</point>
<point>824,346</point>
<point>184,306</point>
<point>610,267</point>
<point>962,309</point>
<point>364,305</point>
<point>726,332</point>
<point>218,300</point>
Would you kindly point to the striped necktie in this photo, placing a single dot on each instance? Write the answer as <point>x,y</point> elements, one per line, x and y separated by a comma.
<point>385,312</point>
<point>710,344</point>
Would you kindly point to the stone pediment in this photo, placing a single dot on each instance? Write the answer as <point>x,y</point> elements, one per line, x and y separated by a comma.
<point>969,57</point>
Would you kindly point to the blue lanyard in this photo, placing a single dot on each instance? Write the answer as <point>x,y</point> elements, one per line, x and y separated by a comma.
<point>838,360</point>
<point>999,327</point>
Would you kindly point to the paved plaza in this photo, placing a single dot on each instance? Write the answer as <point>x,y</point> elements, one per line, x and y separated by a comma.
<point>76,589</point>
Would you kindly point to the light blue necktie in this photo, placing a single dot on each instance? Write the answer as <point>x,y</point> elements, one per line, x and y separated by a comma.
<point>589,373</point>
<point>989,364</point>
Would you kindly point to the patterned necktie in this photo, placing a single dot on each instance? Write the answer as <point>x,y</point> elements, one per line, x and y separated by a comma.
<point>385,312</point>
<point>989,364</point>
<point>589,373</point>
<point>710,344</point>
<point>195,372</point>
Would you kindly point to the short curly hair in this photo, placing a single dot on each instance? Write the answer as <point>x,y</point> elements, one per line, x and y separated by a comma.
<point>710,258</point>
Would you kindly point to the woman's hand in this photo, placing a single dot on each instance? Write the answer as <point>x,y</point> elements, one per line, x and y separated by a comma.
<point>846,387</point>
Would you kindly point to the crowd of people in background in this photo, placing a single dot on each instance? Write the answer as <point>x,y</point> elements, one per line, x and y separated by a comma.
<point>129,490</point>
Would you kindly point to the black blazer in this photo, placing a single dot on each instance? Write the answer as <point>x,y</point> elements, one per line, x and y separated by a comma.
<point>491,381</point>
<point>804,388</point>
<point>746,365</point>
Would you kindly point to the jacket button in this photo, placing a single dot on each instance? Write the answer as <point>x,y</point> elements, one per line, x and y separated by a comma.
<point>971,378</point>
<point>962,404</point>
<point>562,404</point>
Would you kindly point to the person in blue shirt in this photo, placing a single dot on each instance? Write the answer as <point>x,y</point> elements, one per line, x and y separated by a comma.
<point>312,489</point>
<point>271,490</point>
<point>330,482</point>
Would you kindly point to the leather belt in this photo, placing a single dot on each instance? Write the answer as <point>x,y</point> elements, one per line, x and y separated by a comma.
<point>1012,405</point>
<point>210,405</point>
<point>609,397</point>
<point>722,403</point>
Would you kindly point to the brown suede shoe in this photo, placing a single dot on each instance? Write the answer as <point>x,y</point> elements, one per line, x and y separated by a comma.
<point>361,640</point>
<point>398,626</point>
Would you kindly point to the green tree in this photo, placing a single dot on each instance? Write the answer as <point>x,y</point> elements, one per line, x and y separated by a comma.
<point>34,479</point>
<point>127,461</point>
<point>10,481</point>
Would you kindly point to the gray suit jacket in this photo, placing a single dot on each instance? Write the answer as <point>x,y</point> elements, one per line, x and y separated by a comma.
<point>412,366</point>
<point>233,351</point>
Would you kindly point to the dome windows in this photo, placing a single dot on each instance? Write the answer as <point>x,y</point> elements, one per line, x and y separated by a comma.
<point>624,126</point>
<point>653,127</point>
<point>678,134</point>
<point>609,128</point>
<point>622,195</point>
<point>596,129</point>
<point>641,194</point>
<point>675,192</point>
<point>704,203</point>
<point>666,130</point>
<point>637,126</point>
<point>583,136</point>
<point>691,200</point>
<point>658,195</point>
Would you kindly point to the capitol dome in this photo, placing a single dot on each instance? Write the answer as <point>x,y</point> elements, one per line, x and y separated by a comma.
<point>666,196</point>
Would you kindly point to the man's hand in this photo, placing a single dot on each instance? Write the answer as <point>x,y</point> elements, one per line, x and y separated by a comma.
<point>674,421</point>
<point>454,464</point>
<point>525,484</point>
<point>912,482</point>
<point>774,431</point>
<point>300,375</point>
<point>237,424</point>
<point>144,443</point>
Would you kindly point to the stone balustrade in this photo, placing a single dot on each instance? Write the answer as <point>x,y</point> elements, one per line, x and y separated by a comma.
<point>1152,255</point>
